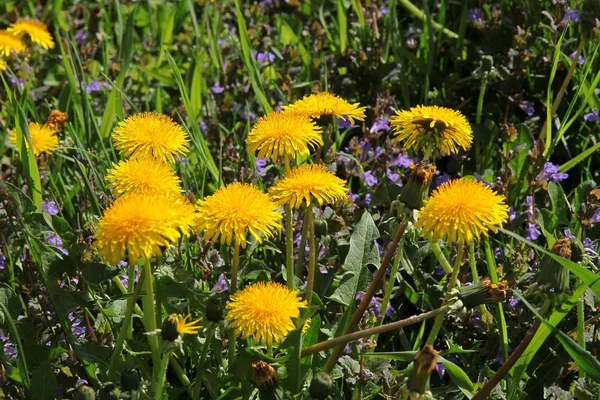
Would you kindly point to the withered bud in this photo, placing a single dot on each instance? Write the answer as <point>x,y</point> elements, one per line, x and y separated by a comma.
<point>484,292</point>
<point>417,188</point>
<point>510,132</point>
<point>264,375</point>
<point>562,247</point>
<point>56,120</point>
<point>417,384</point>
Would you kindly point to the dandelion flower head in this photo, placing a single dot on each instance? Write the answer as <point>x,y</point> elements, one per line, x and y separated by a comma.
<point>306,183</point>
<point>460,211</point>
<point>236,209</point>
<point>439,130</point>
<point>36,30</point>
<point>9,43</point>
<point>281,134</point>
<point>264,312</point>
<point>327,104</point>
<point>43,138</point>
<point>143,175</point>
<point>139,224</point>
<point>150,134</point>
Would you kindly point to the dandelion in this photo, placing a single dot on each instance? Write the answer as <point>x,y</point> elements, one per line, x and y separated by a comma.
<point>10,43</point>
<point>43,138</point>
<point>150,134</point>
<point>139,224</point>
<point>236,209</point>
<point>309,183</point>
<point>460,211</point>
<point>432,129</point>
<point>280,134</point>
<point>36,30</point>
<point>143,175</point>
<point>264,311</point>
<point>176,325</point>
<point>327,104</point>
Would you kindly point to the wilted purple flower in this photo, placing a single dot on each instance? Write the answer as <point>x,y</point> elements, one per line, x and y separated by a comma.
<point>475,17</point>
<point>596,217</point>
<point>369,178</point>
<point>92,87</point>
<point>550,173</point>
<point>53,239</point>
<point>441,370</point>
<point>570,16</point>
<point>264,57</point>
<point>344,123</point>
<point>580,61</point>
<point>527,106</point>
<point>222,284</point>
<point>532,232</point>
<point>81,37</point>
<point>217,88</point>
<point>401,160</point>
<point>261,163</point>
<point>592,116</point>
<point>381,125</point>
<point>49,207</point>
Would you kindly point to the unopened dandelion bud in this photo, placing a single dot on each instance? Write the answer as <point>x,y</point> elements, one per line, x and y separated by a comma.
<point>169,328</point>
<point>484,292</point>
<point>418,380</point>
<point>85,392</point>
<point>551,274</point>
<point>130,379</point>
<point>487,63</point>
<point>109,391</point>
<point>214,310</point>
<point>264,375</point>
<point>417,187</point>
<point>321,386</point>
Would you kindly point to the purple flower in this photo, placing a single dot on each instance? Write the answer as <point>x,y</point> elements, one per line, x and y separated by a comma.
<point>581,60</point>
<point>92,87</point>
<point>76,328</point>
<point>344,123</point>
<point>530,203</point>
<point>261,163</point>
<point>596,217</point>
<point>532,232</point>
<point>369,178</point>
<point>217,88</point>
<point>394,177</point>
<point>2,262</point>
<point>441,370</point>
<point>17,82</point>
<point>527,106</point>
<point>343,159</point>
<point>475,17</point>
<point>383,10</point>
<point>571,15</point>
<point>512,214</point>
<point>569,234</point>
<point>53,239</point>
<point>264,57</point>
<point>512,302</point>
<point>222,284</point>
<point>81,37</point>
<point>441,179</point>
<point>7,346</point>
<point>266,4</point>
<point>592,116</point>
<point>49,207</point>
<point>381,125</point>
<point>550,173</point>
<point>401,160</point>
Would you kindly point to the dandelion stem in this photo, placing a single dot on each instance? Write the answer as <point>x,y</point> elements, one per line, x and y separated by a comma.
<point>392,326</point>
<point>437,251</point>
<point>199,365</point>
<point>289,237</point>
<point>437,325</point>
<point>150,314</point>
<point>124,331</point>
<point>390,284</point>
<point>158,394</point>
<point>474,273</point>
<point>364,304</point>
<point>312,256</point>
<point>231,345</point>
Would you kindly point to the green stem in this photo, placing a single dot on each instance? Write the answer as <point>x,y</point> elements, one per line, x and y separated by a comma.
<point>199,365</point>
<point>410,7</point>
<point>130,290</point>
<point>123,332</point>
<point>312,256</point>
<point>150,315</point>
<point>390,284</point>
<point>124,290</point>
<point>231,345</point>
<point>437,325</point>
<point>481,97</point>
<point>302,248</point>
<point>183,378</point>
<point>474,273</point>
<point>289,237</point>
<point>437,251</point>
<point>493,274</point>
<point>158,393</point>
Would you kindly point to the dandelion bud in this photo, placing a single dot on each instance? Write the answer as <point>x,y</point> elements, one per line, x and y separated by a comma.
<point>214,309</point>
<point>264,375</point>
<point>487,63</point>
<point>169,328</point>
<point>551,274</point>
<point>484,292</point>
<point>109,391</point>
<point>130,379</point>
<point>417,187</point>
<point>321,386</point>
<point>321,227</point>
<point>418,380</point>
<point>85,392</point>
<point>56,120</point>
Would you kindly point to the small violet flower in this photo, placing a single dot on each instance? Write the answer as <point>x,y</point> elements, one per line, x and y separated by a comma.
<point>261,163</point>
<point>50,208</point>
<point>264,57</point>
<point>92,87</point>
<point>217,88</point>
<point>592,116</point>
<point>532,232</point>
<point>580,61</point>
<point>550,173</point>
<point>369,178</point>
<point>344,123</point>
<point>381,125</point>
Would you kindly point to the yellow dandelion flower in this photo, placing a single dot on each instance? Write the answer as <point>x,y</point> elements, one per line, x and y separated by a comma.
<point>43,138</point>
<point>280,134</point>
<point>439,130</point>
<point>150,134</point>
<point>235,209</point>
<point>327,104</point>
<point>188,328</point>
<point>138,225</point>
<point>143,175</point>
<point>36,30</point>
<point>306,183</point>
<point>175,325</point>
<point>462,210</point>
<point>264,312</point>
<point>2,64</point>
<point>9,43</point>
